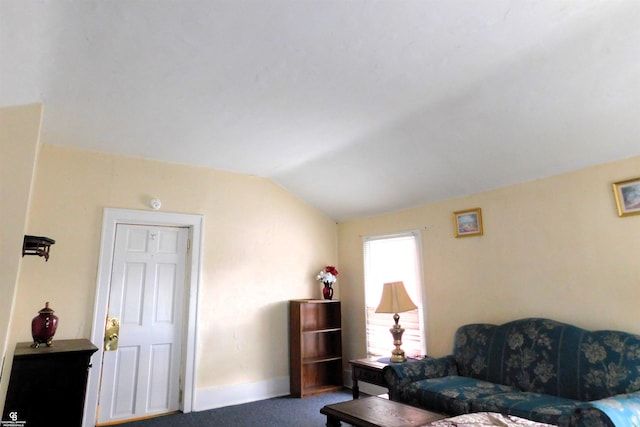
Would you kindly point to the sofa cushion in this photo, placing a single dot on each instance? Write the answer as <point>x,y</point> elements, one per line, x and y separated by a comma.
<point>539,407</point>
<point>471,349</point>
<point>534,355</point>
<point>609,364</point>
<point>452,394</point>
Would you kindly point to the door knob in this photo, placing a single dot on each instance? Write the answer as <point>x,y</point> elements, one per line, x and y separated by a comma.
<point>111,334</point>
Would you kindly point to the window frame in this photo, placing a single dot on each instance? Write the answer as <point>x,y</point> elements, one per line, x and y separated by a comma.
<point>420,291</point>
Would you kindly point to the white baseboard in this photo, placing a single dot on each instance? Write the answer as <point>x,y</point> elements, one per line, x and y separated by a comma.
<point>217,397</point>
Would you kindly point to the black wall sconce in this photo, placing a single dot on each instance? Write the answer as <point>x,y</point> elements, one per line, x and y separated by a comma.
<point>37,245</point>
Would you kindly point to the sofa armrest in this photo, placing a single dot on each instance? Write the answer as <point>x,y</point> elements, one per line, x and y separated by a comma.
<point>589,416</point>
<point>621,409</point>
<point>400,375</point>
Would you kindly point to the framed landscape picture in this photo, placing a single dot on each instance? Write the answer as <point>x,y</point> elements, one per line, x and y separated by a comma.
<point>468,222</point>
<point>627,196</point>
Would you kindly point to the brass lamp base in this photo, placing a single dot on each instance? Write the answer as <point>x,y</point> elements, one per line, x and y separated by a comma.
<point>397,355</point>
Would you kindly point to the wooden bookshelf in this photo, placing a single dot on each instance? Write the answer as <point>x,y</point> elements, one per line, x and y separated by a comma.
<point>315,341</point>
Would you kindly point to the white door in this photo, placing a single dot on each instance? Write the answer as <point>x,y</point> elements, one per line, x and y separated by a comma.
<point>142,376</point>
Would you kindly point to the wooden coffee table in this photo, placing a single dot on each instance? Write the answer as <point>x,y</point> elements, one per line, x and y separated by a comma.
<point>377,412</point>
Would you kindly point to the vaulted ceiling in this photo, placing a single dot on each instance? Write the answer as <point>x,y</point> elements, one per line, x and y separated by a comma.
<point>358,107</point>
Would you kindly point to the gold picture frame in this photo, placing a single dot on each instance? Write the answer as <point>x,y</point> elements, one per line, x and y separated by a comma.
<point>468,223</point>
<point>627,194</point>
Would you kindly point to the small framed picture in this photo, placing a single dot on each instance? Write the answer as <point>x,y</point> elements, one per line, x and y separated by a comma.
<point>468,222</point>
<point>627,196</point>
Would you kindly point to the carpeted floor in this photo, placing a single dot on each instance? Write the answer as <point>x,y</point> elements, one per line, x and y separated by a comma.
<point>279,411</point>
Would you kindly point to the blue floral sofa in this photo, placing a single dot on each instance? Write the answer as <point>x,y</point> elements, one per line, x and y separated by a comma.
<point>538,369</point>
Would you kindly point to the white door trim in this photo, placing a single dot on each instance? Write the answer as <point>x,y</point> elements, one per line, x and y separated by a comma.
<point>111,217</point>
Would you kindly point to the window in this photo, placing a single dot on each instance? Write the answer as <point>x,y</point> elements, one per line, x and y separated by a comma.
<point>389,259</point>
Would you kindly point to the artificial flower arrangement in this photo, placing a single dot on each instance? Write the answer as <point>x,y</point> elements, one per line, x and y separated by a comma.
<point>329,275</point>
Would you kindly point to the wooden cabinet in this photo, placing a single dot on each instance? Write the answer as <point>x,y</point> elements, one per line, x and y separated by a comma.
<point>48,384</point>
<point>315,338</point>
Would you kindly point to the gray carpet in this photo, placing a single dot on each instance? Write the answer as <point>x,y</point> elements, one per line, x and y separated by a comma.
<point>279,411</point>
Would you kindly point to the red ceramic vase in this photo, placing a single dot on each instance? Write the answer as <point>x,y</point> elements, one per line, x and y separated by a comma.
<point>43,327</point>
<point>327,291</point>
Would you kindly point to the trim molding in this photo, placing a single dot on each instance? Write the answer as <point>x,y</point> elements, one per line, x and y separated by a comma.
<point>217,397</point>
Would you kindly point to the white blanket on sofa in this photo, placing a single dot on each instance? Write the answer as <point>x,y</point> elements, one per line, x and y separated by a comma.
<point>481,419</point>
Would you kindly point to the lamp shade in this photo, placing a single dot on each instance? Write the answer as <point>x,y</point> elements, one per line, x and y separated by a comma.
<point>395,299</point>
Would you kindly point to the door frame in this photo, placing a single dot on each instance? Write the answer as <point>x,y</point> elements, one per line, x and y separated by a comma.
<point>112,217</point>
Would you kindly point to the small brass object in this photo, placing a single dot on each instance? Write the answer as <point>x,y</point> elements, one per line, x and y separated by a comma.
<point>111,334</point>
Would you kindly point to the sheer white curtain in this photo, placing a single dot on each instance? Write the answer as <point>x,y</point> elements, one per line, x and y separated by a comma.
<point>392,258</point>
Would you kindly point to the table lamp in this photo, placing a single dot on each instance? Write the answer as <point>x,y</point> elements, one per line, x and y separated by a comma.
<point>395,299</point>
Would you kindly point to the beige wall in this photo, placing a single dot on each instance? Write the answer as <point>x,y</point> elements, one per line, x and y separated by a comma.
<point>262,247</point>
<point>19,133</point>
<point>553,247</point>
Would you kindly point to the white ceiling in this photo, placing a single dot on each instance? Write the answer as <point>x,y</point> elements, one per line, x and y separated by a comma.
<point>358,107</point>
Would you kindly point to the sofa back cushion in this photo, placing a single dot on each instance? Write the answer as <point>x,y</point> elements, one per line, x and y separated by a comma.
<point>550,357</point>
